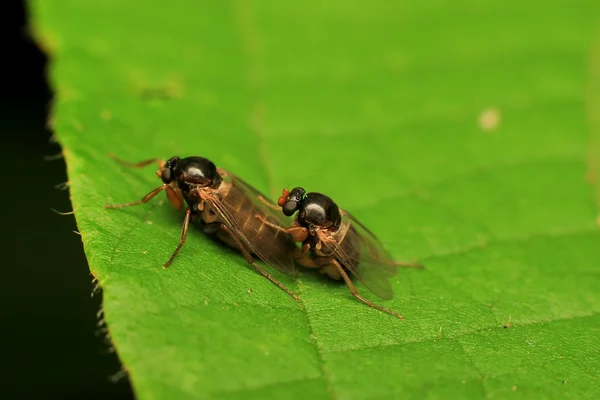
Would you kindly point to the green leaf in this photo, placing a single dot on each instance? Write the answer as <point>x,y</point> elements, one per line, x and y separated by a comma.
<point>466,135</point>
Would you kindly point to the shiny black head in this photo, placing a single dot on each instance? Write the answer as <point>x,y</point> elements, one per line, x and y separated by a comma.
<point>314,209</point>
<point>191,170</point>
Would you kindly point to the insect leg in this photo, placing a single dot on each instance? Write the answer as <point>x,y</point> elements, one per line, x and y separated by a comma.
<point>138,164</point>
<point>303,259</point>
<point>305,249</point>
<point>405,264</point>
<point>252,262</point>
<point>355,292</point>
<point>299,233</point>
<point>275,281</point>
<point>145,199</point>
<point>175,197</point>
<point>186,223</point>
<point>269,204</point>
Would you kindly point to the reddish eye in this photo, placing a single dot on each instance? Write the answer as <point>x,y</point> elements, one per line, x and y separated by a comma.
<point>175,198</point>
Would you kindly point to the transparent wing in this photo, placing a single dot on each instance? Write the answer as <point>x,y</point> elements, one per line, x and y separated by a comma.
<point>238,208</point>
<point>366,258</point>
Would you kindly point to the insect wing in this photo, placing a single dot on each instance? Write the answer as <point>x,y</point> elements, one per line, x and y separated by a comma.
<point>366,258</point>
<point>238,209</point>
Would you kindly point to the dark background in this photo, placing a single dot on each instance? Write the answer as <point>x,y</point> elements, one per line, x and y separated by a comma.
<point>51,344</point>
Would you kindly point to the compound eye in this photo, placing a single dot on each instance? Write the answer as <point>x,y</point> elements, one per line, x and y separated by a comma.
<point>289,208</point>
<point>296,194</point>
<point>166,175</point>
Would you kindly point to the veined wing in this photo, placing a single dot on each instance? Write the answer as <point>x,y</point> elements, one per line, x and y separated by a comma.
<point>366,258</point>
<point>238,208</point>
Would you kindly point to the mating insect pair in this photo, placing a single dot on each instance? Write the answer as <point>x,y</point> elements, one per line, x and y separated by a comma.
<point>333,241</point>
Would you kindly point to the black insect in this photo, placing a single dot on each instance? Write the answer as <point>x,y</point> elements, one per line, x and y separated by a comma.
<point>226,206</point>
<point>338,244</point>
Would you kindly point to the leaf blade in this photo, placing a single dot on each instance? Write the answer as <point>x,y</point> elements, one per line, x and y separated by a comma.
<point>504,241</point>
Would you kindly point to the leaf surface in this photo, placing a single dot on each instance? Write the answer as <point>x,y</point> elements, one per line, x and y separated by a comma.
<point>464,135</point>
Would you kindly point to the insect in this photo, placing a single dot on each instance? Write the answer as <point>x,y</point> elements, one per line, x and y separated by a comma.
<point>338,244</point>
<point>225,205</point>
